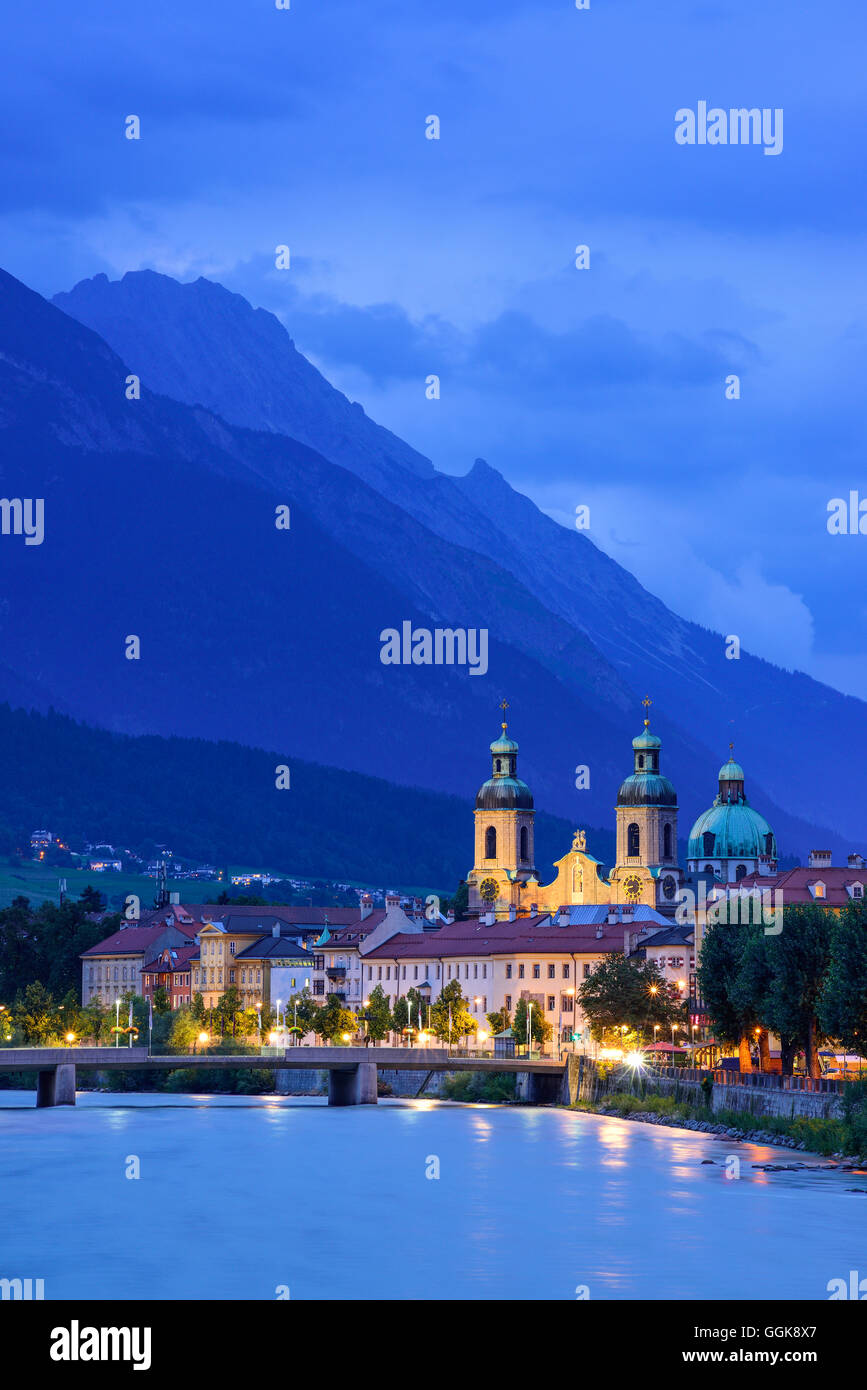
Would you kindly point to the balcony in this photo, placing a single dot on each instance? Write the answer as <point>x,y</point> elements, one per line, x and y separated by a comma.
<point>336,972</point>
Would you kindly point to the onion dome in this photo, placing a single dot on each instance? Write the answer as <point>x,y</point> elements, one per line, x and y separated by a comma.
<point>504,790</point>
<point>731,829</point>
<point>646,786</point>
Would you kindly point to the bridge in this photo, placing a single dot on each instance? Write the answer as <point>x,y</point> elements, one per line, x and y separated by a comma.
<point>352,1071</point>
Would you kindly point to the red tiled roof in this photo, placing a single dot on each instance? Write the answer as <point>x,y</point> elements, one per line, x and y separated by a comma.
<point>794,884</point>
<point>130,941</point>
<point>525,934</point>
<point>183,956</point>
<point>303,916</point>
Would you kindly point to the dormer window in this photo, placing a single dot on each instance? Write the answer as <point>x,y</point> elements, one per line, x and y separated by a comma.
<point>856,890</point>
<point>818,889</point>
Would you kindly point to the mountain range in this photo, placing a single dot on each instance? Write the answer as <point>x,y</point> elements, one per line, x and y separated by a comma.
<point>160,523</point>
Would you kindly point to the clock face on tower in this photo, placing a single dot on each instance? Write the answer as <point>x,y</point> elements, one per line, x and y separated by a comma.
<point>632,888</point>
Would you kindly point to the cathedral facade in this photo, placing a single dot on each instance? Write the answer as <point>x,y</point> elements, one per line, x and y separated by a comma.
<point>727,841</point>
<point>504,877</point>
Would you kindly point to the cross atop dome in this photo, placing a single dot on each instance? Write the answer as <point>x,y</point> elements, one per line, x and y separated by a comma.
<point>647,702</point>
<point>504,705</point>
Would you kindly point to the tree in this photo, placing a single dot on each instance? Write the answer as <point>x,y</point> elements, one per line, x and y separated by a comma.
<point>35,1014</point>
<point>198,1007</point>
<point>229,1007</point>
<point>300,1010</point>
<point>162,1003</point>
<point>450,1015</point>
<point>843,1001</point>
<point>333,1020</point>
<point>499,1020</point>
<point>731,1009</point>
<point>185,1031</point>
<point>377,1015</point>
<point>460,903</point>
<point>800,958</point>
<point>628,991</point>
<point>539,1027</point>
<point>91,900</point>
<point>95,1019</point>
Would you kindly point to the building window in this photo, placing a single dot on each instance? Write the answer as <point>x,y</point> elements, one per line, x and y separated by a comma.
<point>490,843</point>
<point>566,1003</point>
<point>484,970</point>
<point>231,948</point>
<point>318,962</point>
<point>475,970</point>
<point>524,844</point>
<point>552,971</point>
<point>115,972</point>
<point>415,972</point>
<point>633,841</point>
<point>708,840</point>
<point>566,971</point>
<point>439,967</point>
<point>370,972</point>
<point>740,872</point>
<point>90,977</point>
<point>587,968</point>
<point>231,977</point>
<point>552,1003</point>
<point>508,972</point>
<point>318,986</point>
<point>379,972</point>
<point>537,972</point>
<point>666,841</point>
<point>520,972</point>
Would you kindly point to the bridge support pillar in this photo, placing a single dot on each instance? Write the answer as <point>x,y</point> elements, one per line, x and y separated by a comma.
<point>355,1087</point>
<point>539,1088</point>
<point>56,1087</point>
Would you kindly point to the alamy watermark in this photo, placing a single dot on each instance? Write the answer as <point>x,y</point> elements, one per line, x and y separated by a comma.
<point>736,126</point>
<point>23,516</point>
<point>442,646</point>
<point>739,907</point>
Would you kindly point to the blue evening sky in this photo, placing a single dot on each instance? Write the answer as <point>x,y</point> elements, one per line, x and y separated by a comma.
<point>411,256</point>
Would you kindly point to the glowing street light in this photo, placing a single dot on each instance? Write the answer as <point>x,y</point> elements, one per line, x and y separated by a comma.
<point>70,1039</point>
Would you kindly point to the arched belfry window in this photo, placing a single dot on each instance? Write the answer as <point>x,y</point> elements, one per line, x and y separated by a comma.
<point>498,764</point>
<point>524,844</point>
<point>641,760</point>
<point>740,872</point>
<point>666,841</point>
<point>490,843</point>
<point>633,841</point>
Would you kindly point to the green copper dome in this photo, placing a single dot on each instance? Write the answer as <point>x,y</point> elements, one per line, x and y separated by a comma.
<point>504,746</point>
<point>738,832</point>
<point>646,740</point>
<point>504,794</point>
<point>646,789</point>
<point>731,772</point>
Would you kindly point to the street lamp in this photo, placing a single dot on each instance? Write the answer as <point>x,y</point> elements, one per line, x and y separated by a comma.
<point>70,1039</point>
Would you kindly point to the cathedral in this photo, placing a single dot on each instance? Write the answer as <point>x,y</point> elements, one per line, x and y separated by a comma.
<point>727,842</point>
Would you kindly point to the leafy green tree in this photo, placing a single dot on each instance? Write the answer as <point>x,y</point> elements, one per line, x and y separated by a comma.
<point>184,1031</point>
<point>378,1015</point>
<point>229,1008</point>
<point>626,991</point>
<point>300,1011</point>
<point>499,1020</point>
<point>35,1014</point>
<point>731,1007</point>
<point>800,959</point>
<point>333,1020</point>
<point>198,1007</point>
<point>460,902</point>
<point>95,1020</point>
<point>842,1006</point>
<point>450,1015</point>
<point>539,1026</point>
<point>162,1003</point>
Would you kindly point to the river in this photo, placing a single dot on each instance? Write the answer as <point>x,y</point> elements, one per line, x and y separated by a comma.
<point>242,1197</point>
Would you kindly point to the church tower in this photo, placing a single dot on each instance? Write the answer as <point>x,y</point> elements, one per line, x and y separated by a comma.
<point>504,850</point>
<point>647,869</point>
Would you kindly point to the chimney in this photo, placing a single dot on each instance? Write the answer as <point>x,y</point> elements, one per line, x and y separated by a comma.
<point>856,861</point>
<point>450,915</point>
<point>366,906</point>
<point>513,912</point>
<point>275,930</point>
<point>612,916</point>
<point>564,917</point>
<point>392,902</point>
<point>819,859</point>
<point>599,933</point>
<point>174,898</point>
<point>490,917</point>
<point>627,942</point>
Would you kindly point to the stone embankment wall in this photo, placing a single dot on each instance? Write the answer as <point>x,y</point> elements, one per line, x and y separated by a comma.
<point>583,1082</point>
<point>295,1082</point>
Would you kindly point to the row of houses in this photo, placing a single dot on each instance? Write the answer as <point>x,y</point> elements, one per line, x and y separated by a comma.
<point>269,954</point>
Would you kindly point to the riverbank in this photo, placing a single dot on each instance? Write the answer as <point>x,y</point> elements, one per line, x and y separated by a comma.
<point>827,1138</point>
